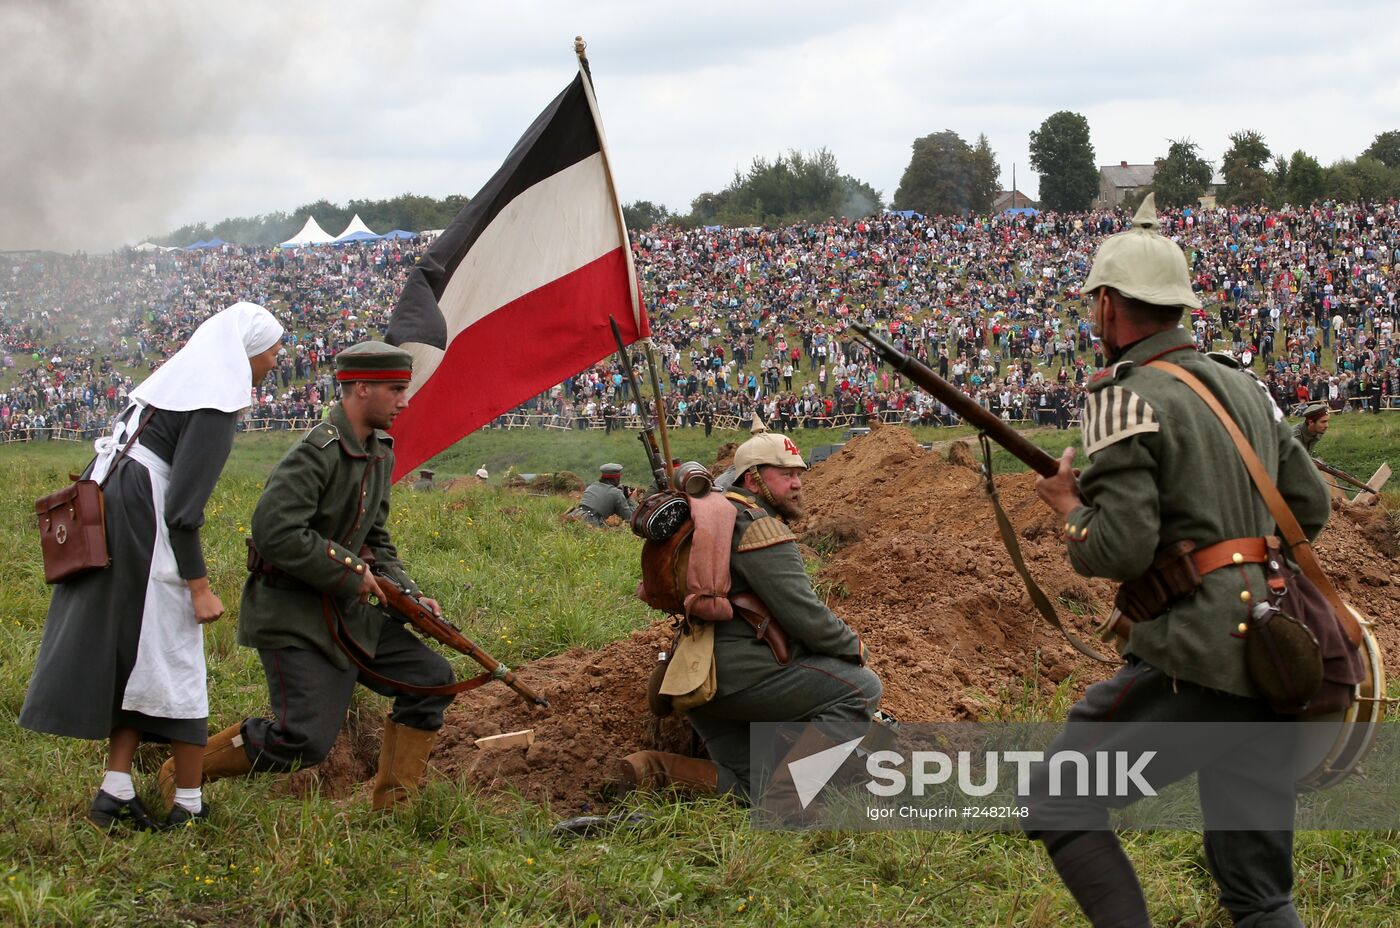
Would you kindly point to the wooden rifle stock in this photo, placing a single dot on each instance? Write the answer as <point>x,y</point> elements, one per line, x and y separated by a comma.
<point>962,404</point>
<point>1342,475</point>
<point>400,600</point>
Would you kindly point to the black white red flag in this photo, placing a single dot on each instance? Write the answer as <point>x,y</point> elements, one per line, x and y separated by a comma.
<point>514,296</point>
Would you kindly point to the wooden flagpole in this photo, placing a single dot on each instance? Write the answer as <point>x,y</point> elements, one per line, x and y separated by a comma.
<point>580,48</point>
<point>633,292</point>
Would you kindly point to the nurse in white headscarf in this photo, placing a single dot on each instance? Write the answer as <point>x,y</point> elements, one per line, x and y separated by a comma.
<point>123,652</point>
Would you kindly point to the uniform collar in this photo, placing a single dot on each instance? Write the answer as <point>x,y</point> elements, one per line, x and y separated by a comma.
<point>1156,346</point>
<point>349,441</point>
<point>371,448</point>
<point>755,499</point>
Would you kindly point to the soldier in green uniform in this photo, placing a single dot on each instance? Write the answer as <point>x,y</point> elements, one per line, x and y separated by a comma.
<point>825,682</point>
<point>1162,470</point>
<point>605,497</point>
<point>324,510</point>
<point>425,480</point>
<point>1313,426</point>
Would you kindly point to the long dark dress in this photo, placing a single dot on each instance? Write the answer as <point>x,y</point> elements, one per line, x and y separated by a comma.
<point>93,629</point>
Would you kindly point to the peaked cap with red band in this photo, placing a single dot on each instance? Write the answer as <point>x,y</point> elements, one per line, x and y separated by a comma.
<point>373,361</point>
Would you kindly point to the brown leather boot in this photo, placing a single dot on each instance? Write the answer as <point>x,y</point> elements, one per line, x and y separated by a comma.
<point>223,757</point>
<point>781,802</point>
<point>403,756</point>
<point>657,770</point>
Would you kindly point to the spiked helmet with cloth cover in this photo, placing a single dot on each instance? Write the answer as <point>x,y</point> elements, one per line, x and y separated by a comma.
<point>1144,264</point>
<point>766,447</point>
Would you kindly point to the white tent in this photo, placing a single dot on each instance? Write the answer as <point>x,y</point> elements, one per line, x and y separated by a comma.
<point>356,225</point>
<point>310,234</point>
<point>152,246</point>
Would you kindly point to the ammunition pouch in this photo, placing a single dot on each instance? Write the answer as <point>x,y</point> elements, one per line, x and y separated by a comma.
<point>1172,576</point>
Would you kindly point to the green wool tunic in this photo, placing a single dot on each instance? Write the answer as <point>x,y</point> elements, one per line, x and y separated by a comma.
<point>1162,469</point>
<point>325,499</point>
<point>776,574</point>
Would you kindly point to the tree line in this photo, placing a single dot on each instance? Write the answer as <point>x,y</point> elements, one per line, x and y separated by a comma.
<point>945,176</point>
<point>407,211</point>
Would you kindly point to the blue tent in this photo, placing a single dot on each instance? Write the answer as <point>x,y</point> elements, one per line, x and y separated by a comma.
<point>199,244</point>
<point>400,233</point>
<point>1021,211</point>
<point>357,237</point>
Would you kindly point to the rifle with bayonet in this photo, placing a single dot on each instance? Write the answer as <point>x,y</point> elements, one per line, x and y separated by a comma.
<point>648,432</point>
<point>959,402</point>
<point>1342,475</point>
<point>992,429</point>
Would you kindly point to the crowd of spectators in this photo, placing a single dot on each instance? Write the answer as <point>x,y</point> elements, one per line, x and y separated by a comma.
<point>1305,296</point>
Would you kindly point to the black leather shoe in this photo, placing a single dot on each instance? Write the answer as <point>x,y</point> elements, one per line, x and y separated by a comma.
<point>179,815</point>
<point>107,810</point>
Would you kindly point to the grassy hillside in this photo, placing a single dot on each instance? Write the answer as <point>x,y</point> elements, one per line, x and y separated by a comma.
<point>537,587</point>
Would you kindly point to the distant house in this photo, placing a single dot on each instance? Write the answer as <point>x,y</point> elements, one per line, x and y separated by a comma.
<point>1117,181</point>
<point>1012,199</point>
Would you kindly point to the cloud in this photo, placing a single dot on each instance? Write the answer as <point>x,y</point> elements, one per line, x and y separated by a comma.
<point>138,117</point>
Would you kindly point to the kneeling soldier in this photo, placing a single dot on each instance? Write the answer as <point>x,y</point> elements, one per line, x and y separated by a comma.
<point>320,521</point>
<point>825,682</point>
<point>605,497</point>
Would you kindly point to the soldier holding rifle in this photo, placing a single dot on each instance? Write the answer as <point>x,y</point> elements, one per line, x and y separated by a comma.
<point>1314,425</point>
<point>317,529</point>
<point>1161,471</point>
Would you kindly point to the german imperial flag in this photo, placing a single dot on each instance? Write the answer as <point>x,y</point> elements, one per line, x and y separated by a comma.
<point>514,296</point>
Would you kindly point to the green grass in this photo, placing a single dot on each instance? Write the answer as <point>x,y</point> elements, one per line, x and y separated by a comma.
<point>527,585</point>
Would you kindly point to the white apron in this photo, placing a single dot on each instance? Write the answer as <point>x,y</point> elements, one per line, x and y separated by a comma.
<point>168,679</point>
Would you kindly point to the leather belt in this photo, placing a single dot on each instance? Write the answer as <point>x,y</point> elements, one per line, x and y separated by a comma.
<point>1233,551</point>
<point>282,581</point>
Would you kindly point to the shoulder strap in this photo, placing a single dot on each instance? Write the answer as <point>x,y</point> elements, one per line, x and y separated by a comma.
<point>141,427</point>
<point>1287,523</point>
<point>1013,548</point>
<point>335,625</point>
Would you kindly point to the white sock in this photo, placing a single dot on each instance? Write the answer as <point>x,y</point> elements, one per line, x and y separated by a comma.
<point>118,784</point>
<point>191,800</point>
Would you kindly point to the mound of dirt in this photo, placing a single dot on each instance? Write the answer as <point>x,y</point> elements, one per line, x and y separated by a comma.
<point>914,563</point>
<point>724,459</point>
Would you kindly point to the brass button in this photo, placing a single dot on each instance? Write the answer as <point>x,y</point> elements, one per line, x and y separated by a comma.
<point>1244,596</point>
<point>349,561</point>
<point>1243,628</point>
<point>1237,557</point>
<point>359,568</point>
<point>333,554</point>
<point>1069,528</point>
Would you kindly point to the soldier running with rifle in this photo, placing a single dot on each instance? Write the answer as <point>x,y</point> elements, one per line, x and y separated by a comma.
<point>1165,497</point>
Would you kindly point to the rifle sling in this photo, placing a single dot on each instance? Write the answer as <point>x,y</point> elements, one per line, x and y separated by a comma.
<point>335,624</point>
<point>1298,544</point>
<point>1013,548</point>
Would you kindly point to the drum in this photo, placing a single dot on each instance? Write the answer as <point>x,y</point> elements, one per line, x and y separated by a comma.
<point>1330,748</point>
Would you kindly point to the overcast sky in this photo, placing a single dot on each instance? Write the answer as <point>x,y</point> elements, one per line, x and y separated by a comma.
<point>128,119</point>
